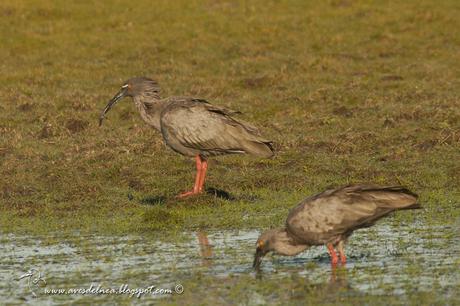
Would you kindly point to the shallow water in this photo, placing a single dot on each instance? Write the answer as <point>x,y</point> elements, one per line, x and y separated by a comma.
<point>385,259</point>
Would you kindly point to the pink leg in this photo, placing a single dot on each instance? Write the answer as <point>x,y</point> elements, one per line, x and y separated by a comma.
<point>196,187</point>
<point>333,254</point>
<point>204,168</point>
<point>341,248</point>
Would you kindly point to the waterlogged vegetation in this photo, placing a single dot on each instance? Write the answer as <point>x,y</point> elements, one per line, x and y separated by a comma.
<point>349,91</point>
<point>398,263</point>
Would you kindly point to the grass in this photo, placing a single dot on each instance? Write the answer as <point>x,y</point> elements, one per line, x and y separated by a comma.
<point>349,91</point>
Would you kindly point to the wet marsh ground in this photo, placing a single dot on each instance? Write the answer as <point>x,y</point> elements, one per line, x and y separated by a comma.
<point>396,262</point>
<point>349,91</point>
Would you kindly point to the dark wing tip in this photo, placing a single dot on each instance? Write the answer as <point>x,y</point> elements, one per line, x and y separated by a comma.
<point>270,145</point>
<point>416,206</point>
<point>200,100</point>
<point>401,189</point>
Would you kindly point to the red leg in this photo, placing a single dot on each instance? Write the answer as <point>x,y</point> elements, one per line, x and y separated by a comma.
<point>204,168</point>
<point>341,248</point>
<point>333,254</point>
<point>196,188</point>
<point>199,173</point>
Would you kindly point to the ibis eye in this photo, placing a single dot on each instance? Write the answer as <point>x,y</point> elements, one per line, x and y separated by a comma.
<point>124,86</point>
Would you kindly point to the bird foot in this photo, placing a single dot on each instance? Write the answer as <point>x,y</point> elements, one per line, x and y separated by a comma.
<point>334,261</point>
<point>333,254</point>
<point>188,194</point>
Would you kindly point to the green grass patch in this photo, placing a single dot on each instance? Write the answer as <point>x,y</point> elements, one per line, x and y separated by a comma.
<point>348,91</point>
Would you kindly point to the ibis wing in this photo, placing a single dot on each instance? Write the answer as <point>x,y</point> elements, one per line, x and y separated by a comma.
<point>328,216</point>
<point>201,126</point>
<point>339,211</point>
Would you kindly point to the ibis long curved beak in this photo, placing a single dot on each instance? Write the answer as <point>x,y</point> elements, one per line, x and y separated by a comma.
<point>258,258</point>
<point>120,95</point>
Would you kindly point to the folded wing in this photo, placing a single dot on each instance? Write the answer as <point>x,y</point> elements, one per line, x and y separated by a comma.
<point>340,211</point>
<point>212,130</point>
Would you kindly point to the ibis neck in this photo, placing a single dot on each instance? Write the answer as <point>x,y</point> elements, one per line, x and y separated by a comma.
<point>285,244</point>
<point>150,109</point>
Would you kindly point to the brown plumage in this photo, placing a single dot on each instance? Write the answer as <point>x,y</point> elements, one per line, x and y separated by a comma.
<point>192,127</point>
<point>330,217</point>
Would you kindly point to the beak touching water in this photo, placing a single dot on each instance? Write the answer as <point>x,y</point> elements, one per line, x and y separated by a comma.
<point>258,258</point>
<point>120,95</point>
